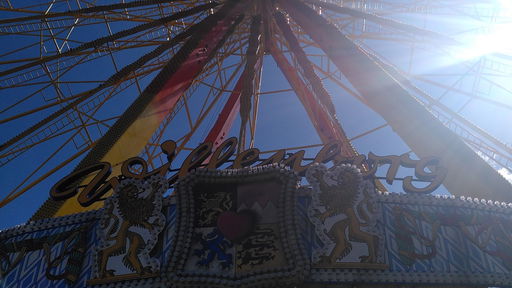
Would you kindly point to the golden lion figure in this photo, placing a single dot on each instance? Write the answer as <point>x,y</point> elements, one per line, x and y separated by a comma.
<point>342,198</point>
<point>134,205</point>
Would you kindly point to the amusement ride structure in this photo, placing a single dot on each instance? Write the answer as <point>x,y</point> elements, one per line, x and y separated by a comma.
<point>89,82</point>
<point>71,78</point>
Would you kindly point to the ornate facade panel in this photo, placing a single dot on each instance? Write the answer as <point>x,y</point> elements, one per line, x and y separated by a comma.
<point>344,215</point>
<point>129,230</point>
<point>240,224</point>
<point>424,238</point>
<point>256,227</point>
<point>167,236</point>
<point>46,254</point>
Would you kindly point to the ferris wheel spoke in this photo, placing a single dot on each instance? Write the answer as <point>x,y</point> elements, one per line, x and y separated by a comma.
<point>216,87</point>
<point>216,69</point>
<point>37,28</point>
<point>71,62</point>
<point>462,92</point>
<point>227,116</point>
<point>369,78</point>
<point>80,12</point>
<point>248,88</point>
<point>332,75</point>
<point>207,107</point>
<point>326,129</point>
<point>110,38</point>
<point>91,106</point>
<point>324,65</point>
<point>27,78</point>
<point>257,58</point>
<point>58,126</point>
<point>306,67</point>
<point>256,99</point>
<point>400,74</point>
<point>17,193</point>
<point>181,69</point>
<point>119,76</point>
<point>384,21</point>
<point>224,121</point>
<point>152,149</point>
<point>63,100</point>
<point>305,64</point>
<point>48,84</point>
<point>368,132</point>
<point>494,157</point>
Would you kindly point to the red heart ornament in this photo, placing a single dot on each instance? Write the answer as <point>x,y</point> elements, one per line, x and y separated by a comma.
<point>235,226</point>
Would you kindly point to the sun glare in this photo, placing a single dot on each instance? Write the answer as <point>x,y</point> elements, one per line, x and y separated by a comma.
<point>495,38</point>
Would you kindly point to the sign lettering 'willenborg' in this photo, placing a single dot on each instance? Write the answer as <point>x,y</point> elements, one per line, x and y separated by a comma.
<point>426,169</point>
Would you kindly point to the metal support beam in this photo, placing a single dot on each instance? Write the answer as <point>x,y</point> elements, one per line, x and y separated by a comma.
<point>103,40</point>
<point>385,22</point>
<point>227,116</point>
<point>81,97</point>
<point>323,123</point>
<point>79,12</point>
<point>468,174</point>
<point>316,84</point>
<point>247,92</point>
<point>130,133</point>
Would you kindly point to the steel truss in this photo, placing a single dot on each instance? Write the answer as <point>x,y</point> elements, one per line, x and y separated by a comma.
<point>195,69</point>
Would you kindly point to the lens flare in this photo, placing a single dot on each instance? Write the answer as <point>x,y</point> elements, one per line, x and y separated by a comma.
<point>492,39</point>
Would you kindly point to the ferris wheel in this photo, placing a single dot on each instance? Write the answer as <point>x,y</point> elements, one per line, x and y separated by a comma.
<point>89,81</point>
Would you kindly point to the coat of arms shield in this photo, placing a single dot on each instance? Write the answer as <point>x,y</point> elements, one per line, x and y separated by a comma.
<point>237,228</point>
